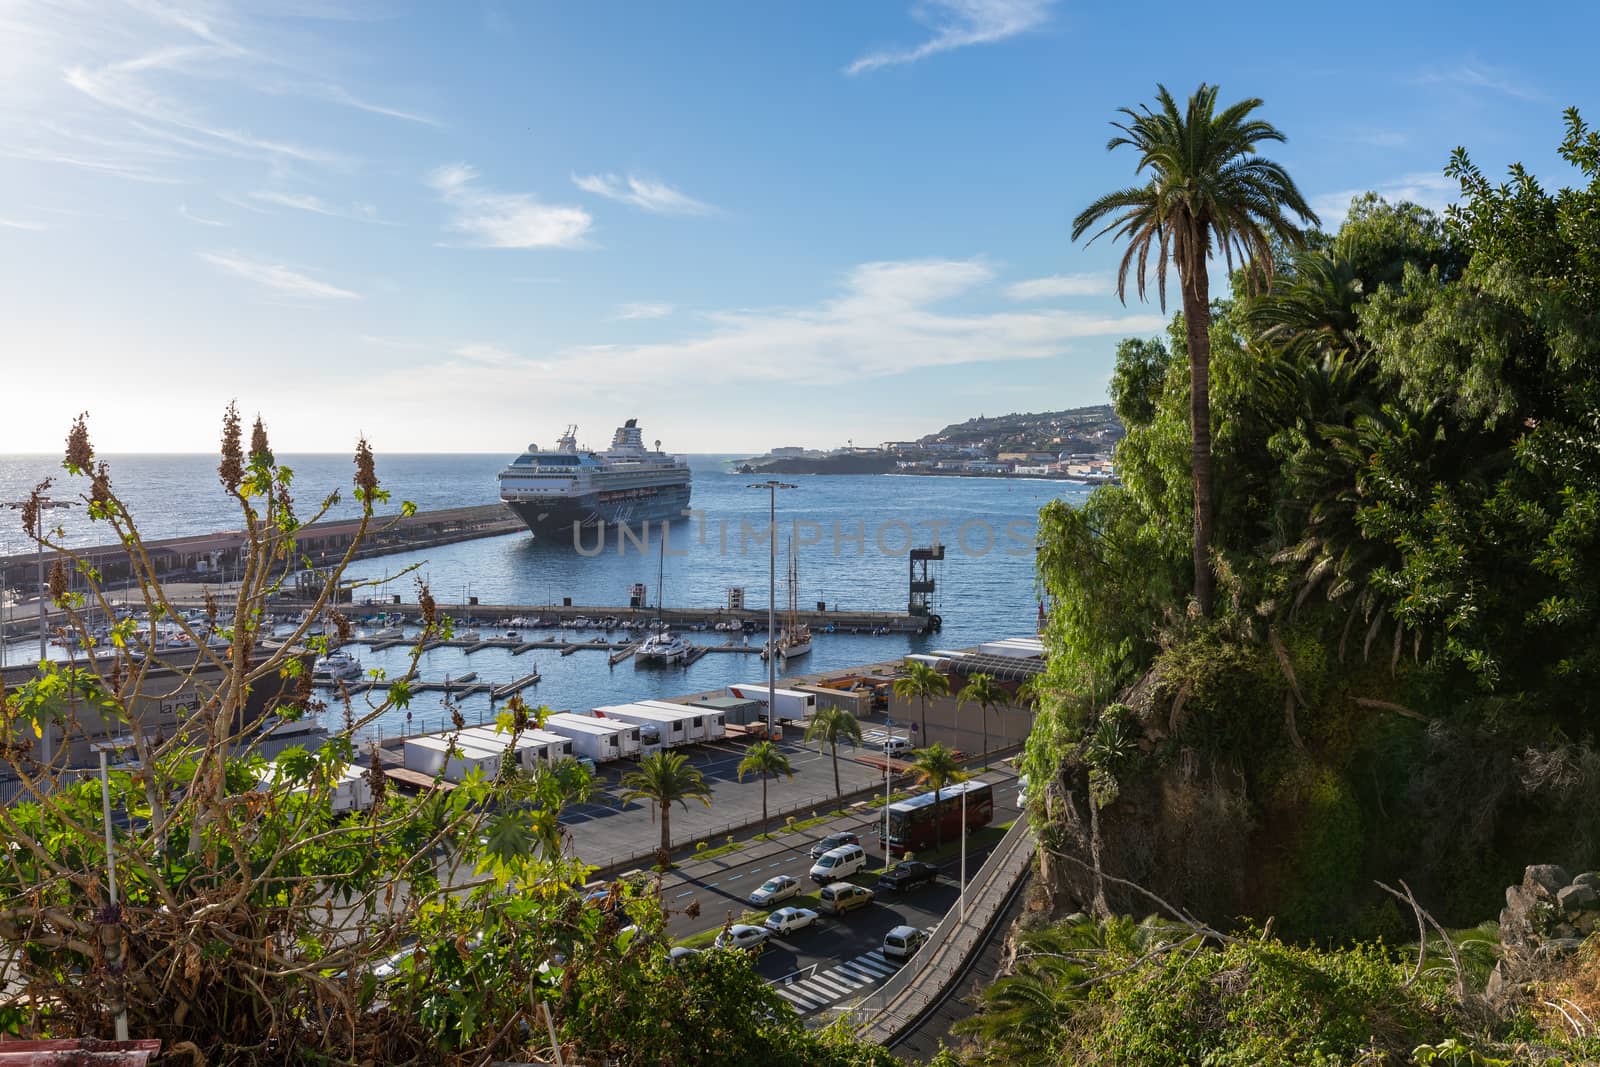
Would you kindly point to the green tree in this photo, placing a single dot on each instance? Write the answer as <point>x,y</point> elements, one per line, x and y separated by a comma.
<point>1207,191</point>
<point>919,682</point>
<point>1137,378</point>
<point>834,724</point>
<point>764,758</point>
<point>982,690</point>
<point>665,779</point>
<point>936,767</point>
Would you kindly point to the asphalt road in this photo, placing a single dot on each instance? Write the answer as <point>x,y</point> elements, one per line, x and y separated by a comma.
<point>836,960</point>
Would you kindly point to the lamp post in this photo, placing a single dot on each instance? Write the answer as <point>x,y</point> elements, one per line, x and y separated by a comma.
<point>772,485</point>
<point>889,729</point>
<point>37,533</point>
<point>103,747</point>
<point>963,854</point>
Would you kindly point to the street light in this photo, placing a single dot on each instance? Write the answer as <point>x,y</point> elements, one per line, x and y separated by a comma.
<point>44,503</point>
<point>772,485</point>
<point>104,747</point>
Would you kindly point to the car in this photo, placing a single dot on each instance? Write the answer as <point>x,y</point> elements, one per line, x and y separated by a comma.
<point>838,863</point>
<point>843,897</point>
<point>898,746</point>
<point>902,942</point>
<point>774,890</point>
<point>788,920</point>
<point>1022,791</point>
<point>833,841</point>
<point>681,957</point>
<point>743,935</point>
<point>908,874</point>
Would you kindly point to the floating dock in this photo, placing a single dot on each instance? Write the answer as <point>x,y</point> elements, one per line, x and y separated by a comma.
<point>750,620</point>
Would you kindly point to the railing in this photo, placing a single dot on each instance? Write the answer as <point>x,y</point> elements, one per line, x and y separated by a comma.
<point>893,1010</point>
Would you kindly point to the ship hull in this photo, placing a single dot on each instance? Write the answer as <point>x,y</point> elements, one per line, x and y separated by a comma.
<point>547,518</point>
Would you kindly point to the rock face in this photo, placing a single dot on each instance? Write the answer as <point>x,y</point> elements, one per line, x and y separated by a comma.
<point>1546,918</point>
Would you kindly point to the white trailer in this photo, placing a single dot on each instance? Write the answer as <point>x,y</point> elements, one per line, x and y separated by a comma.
<point>672,730</point>
<point>434,755</point>
<point>351,791</point>
<point>530,751</point>
<point>792,704</point>
<point>599,740</point>
<point>556,747</point>
<point>707,725</point>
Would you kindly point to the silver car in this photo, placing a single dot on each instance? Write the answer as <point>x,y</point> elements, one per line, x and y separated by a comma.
<point>775,889</point>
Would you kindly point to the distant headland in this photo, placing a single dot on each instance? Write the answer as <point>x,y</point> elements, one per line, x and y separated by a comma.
<point>1074,444</point>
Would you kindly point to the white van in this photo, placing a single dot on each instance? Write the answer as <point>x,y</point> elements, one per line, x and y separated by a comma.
<point>838,863</point>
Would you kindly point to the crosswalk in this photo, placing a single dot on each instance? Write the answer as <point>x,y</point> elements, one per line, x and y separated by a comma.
<point>823,989</point>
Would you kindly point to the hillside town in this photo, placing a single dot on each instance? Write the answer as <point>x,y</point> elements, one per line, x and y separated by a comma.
<point>1075,444</point>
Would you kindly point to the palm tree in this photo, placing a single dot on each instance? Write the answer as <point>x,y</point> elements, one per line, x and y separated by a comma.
<point>984,691</point>
<point>1207,190</point>
<point>763,758</point>
<point>666,778</point>
<point>936,766</point>
<point>833,725</point>
<point>920,682</point>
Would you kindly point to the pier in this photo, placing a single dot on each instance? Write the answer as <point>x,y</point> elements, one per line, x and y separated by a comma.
<point>748,619</point>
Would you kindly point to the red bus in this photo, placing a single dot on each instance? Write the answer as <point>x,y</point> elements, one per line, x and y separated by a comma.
<point>918,823</point>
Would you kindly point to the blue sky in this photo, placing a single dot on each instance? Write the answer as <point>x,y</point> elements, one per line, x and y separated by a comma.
<point>459,227</point>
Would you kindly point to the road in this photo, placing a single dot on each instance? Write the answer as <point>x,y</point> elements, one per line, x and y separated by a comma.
<point>836,960</point>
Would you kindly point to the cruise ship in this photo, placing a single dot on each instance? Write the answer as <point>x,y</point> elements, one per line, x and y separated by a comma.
<point>550,490</point>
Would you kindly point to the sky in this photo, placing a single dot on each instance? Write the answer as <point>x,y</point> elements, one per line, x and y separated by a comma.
<point>460,227</point>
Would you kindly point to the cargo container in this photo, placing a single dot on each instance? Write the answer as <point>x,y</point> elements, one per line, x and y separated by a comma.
<point>597,739</point>
<point>530,751</point>
<point>791,704</point>
<point>671,729</point>
<point>432,755</point>
<point>707,725</point>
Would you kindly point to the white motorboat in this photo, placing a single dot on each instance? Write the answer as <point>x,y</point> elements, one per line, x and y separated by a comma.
<point>336,667</point>
<point>661,650</point>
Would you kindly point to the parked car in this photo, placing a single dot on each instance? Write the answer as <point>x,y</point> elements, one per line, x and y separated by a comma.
<point>833,841</point>
<point>1022,791</point>
<point>788,920</point>
<point>843,897</point>
<point>908,874</point>
<point>743,935</point>
<point>902,942</point>
<point>774,890</point>
<point>838,863</point>
<point>681,957</point>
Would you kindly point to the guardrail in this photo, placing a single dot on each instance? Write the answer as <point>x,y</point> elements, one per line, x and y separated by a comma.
<point>893,1010</point>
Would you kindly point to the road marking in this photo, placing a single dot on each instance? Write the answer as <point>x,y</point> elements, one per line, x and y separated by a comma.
<point>844,979</point>
<point>685,893</point>
<point>732,878</point>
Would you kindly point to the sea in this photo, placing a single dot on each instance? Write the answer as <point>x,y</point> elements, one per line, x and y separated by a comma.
<point>851,535</point>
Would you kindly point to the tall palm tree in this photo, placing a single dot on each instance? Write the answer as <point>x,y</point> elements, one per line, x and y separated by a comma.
<point>920,682</point>
<point>763,758</point>
<point>1207,191</point>
<point>936,766</point>
<point>833,725</point>
<point>984,691</point>
<point>666,778</point>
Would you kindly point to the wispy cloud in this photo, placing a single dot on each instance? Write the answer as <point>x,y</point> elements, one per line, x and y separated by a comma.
<point>958,24</point>
<point>276,277</point>
<point>643,311</point>
<point>339,94</point>
<point>1058,285</point>
<point>318,206</point>
<point>887,318</point>
<point>1426,189</point>
<point>183,209</point>
<point>506,220</point>
<point>23,224</point>
<point>645,193</point>
<point>1475,74</point>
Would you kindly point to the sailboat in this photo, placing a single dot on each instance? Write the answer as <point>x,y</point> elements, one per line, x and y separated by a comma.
<point>795,639</point>
<point>662,648</point>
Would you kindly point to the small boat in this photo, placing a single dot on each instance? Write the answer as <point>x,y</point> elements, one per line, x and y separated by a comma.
<point>512,635</point>
<point>469,635</point>
<point>336,667</point>
<point>580,623</point>
<point>661,650</point>
<point>280,728</point>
